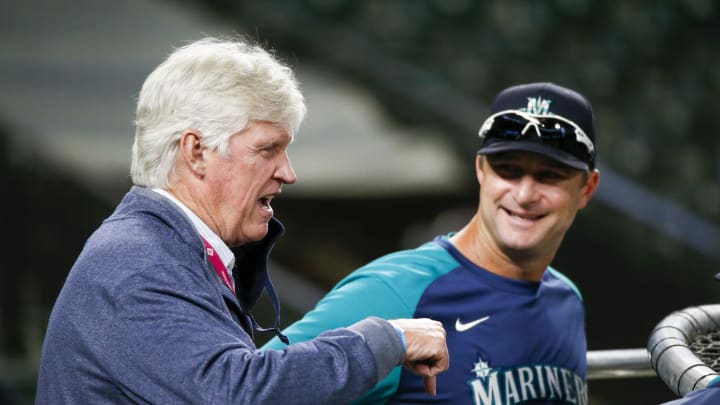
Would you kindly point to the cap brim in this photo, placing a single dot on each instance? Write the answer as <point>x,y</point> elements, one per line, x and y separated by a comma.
<point>497,146</point>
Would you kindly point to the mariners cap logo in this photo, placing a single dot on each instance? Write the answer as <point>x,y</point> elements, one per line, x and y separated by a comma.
<point>537,106</point>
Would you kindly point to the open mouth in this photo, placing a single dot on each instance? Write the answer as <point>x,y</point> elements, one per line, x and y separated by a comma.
<point>524,217</point>
<point>265,201</point>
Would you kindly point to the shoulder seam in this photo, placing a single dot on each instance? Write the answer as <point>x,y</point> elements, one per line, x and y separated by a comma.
<point>567,281</point>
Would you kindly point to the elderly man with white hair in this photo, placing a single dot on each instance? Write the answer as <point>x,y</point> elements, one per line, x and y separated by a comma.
<point>156,309</point>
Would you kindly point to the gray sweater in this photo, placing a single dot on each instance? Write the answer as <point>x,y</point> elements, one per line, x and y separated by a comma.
<point>143,318</point>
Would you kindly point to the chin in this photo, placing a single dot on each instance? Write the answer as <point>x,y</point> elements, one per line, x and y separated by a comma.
<point>520,246</point>
<point>257,233</point>
<point>519,240</point>
<point>247,236</point>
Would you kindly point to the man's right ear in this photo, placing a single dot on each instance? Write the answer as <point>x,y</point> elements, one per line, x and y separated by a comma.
<point>192,150</point>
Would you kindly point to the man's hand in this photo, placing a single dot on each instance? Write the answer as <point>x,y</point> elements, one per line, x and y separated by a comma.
<point>426,353</point>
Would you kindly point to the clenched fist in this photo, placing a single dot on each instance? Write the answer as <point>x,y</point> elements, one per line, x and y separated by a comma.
<point>426,353</point>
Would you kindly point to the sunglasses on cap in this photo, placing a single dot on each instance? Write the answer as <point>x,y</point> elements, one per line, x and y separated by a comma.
<point>513,124</point>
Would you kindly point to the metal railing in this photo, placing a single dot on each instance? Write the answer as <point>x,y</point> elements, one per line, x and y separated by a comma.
<point>619,363</point>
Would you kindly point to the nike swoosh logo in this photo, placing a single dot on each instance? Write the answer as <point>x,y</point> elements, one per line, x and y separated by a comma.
<point>462,327</point>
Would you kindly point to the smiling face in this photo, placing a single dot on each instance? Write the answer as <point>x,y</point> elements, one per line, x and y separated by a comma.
<point>529,201</point>
<point>240,187</point>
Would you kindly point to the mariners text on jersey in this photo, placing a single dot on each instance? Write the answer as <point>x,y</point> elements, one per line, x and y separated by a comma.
<point>526,384</point>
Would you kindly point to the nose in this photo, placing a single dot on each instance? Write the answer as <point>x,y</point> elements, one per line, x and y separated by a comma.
<point>526,191</point>
<point>285,172</point>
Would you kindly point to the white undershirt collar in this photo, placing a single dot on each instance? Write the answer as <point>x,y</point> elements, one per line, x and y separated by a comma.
<point>226,255</point>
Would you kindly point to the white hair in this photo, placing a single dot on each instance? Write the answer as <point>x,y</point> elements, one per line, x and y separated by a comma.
<point>215,86</point>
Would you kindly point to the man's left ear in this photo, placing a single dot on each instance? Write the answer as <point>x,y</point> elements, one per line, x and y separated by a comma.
<point>590,187</point>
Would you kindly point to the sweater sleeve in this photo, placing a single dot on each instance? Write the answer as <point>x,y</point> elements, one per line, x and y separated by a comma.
<point>219,363</point>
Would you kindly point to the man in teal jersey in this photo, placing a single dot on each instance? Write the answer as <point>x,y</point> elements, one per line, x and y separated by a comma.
<point>515,326</point>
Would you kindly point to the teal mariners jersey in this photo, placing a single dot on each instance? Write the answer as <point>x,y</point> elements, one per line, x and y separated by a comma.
<point>510,341</point>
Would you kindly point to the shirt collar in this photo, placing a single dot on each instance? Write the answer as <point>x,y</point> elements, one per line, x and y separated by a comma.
<point>226,255</point>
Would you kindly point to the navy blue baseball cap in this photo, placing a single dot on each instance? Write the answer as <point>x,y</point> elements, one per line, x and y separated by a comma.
<point>543,118</point>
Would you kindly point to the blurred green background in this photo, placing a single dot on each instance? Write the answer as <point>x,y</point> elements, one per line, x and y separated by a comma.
<point>396,91</point>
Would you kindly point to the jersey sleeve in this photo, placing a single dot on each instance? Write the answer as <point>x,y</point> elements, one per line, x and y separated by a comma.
<point>355,298</point>
<point>390,288</point>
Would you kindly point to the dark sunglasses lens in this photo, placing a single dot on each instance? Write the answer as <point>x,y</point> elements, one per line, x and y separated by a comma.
<point>508,126</point>
<point>555,129</point>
